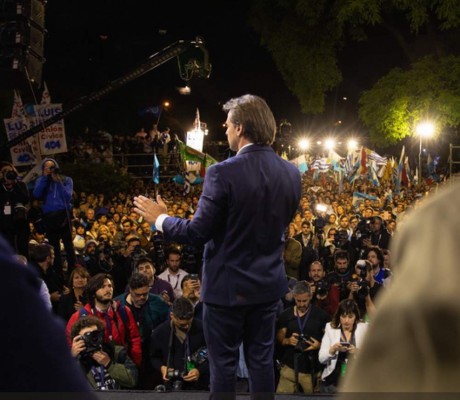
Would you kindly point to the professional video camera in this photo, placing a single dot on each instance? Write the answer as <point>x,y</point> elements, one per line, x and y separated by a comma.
<point>93,342</point>
<point>322,287</point>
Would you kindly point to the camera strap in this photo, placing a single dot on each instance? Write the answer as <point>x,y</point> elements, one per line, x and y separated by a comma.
<point>302,321</point>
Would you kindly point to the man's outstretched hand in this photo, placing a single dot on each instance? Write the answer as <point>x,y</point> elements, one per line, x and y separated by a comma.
<point>149,209</point>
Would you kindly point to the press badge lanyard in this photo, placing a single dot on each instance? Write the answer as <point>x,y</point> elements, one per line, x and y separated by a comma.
<point>177,282</point>
<point>352,337</point>
<point>301,323</point>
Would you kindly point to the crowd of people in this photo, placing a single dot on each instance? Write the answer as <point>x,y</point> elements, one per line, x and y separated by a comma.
<point>130,299</point>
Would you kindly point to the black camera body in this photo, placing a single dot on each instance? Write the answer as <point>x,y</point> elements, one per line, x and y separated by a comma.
<point>93,342</point>
<point>175,379</point>
<point>363,290</point>
<point>322,287</point>
<point>302,344</point>
<point>11,175</point>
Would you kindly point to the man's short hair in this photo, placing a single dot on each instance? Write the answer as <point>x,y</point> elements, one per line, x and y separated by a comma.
<point>138,280</point>
<point>301,288</point>
<point>86,322</point>
<point>144,260</point>
<point>133,238</point>
<point>182,308</point>
<point>94,284</point>
<point>341,254</point>
<point>39,252</point>
<point>315,263</point>
<point>173,250</point>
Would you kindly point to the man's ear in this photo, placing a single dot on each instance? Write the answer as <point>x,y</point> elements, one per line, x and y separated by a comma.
<point>239,129</point>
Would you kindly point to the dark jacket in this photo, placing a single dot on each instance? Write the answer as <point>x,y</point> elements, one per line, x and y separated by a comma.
<point>246,205</point>
<point>159,351</point>
<point>148,317</point>
<point>121,368</point>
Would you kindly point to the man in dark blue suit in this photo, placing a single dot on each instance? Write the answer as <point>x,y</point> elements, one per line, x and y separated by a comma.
<point>246,205</point>
<point>34,354</point>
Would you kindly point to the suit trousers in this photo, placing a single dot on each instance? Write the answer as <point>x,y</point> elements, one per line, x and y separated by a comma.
<point>225,328</point>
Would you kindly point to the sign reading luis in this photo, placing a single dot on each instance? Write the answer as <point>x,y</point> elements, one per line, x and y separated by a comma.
<point>52,139</point>
<point>24,152</point>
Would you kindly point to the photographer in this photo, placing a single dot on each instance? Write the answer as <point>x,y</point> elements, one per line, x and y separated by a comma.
<point>191,290</point>
<point>177,350</point>
<point>98,257</point>
<point>363,288</point>
<point>324,295</point>
<point>55,191</point>
<point>299,331</point>
<point>106,366</point>
<point>14,198</point>
<point>125,263</point>
<point>341,274</point>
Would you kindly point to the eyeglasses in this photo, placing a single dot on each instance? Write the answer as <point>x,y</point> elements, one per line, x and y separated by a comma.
<point>139,295</point>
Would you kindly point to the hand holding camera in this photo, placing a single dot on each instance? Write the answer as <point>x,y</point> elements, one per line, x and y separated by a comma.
<point>192,376</point>
<point>101,358</point>
<point>78,346</point>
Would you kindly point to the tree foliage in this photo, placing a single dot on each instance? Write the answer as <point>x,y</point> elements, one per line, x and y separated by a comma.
<point>401,99</point>
<point>306,38</point>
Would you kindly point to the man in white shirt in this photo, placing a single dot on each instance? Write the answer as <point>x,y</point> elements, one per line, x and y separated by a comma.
<point>173,273</point>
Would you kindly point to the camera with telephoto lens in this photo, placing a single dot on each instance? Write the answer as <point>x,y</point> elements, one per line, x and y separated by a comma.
<point>93,342</point>
<point>175,379</point>
<point>363,268</point>
<point>302,343</point>
<point>363,284</point>
<point>322,287</point>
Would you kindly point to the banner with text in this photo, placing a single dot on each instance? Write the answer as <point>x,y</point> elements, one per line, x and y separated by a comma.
<point>24,152</point>
<point>52,138</point>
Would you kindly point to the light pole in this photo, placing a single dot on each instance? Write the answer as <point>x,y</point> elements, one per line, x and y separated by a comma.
<point>423,129</point>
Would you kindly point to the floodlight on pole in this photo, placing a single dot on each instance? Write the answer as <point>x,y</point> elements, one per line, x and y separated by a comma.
<point>423,129</point>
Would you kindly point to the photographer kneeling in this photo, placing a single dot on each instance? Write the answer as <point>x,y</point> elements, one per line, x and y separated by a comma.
<point>107,367</point>
<point>178,350</point>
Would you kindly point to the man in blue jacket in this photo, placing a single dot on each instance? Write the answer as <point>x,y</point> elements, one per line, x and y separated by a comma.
<point>55,191</point>
<point>246,205</point>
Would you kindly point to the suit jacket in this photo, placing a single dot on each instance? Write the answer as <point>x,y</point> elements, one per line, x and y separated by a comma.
<point>246,204</point>
<point>332,336</point>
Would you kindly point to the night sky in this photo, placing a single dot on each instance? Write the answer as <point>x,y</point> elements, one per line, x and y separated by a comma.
<point>90,43</point>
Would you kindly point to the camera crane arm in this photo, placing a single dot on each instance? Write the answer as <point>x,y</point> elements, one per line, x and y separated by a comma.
<point>197,65</point>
